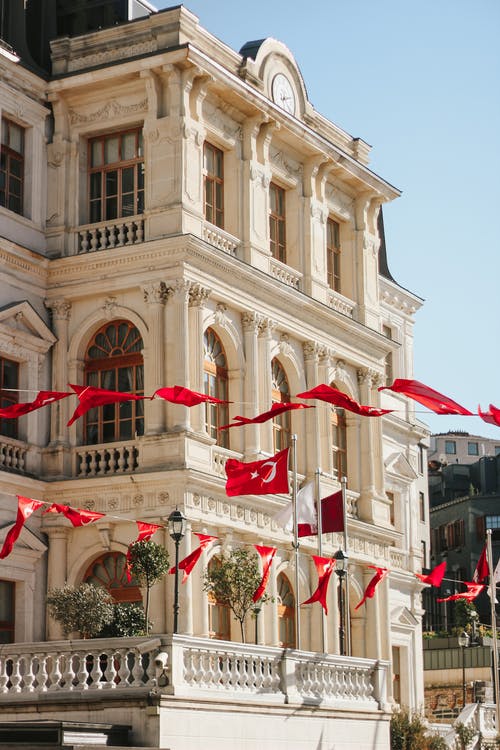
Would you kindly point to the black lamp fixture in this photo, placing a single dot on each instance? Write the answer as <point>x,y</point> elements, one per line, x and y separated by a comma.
<point>341,560</point>
<point>177,531</point>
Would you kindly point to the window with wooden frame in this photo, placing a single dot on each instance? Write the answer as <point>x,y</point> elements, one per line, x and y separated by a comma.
<point>110,572</point>
<point>219,614</point>
<point>9,379</point>
<point>7,611</point>
<point>333,254</point>
<point>277,222</point>
<point>215,383</point>
<point>338,428</point>
<point>388,361</point>
<point>12,166</point>
<point>116,176</point>
<point>114,361</point>
<point>282,428</point>
<point>286,612</point>
<point>213,169</point>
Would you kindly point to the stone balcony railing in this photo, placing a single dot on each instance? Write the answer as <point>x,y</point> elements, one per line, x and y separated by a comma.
<point>341,304</point>
<point>220,239</point>
<point>285,274</point>
<point>12,455</point>
<point>189,667</point>
<point>109,234</point>
<point>106,459</point>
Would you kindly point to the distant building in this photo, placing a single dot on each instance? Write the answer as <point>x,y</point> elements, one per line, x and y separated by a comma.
<point>460,447</point>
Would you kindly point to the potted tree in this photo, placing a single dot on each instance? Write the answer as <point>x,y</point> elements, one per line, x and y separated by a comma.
<point>86,609</point>
<point>148,563</point>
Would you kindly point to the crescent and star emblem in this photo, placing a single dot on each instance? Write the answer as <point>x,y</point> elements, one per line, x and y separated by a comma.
<point>271,475</point>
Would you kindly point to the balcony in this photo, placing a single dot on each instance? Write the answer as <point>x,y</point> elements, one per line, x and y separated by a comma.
<point>106,459</point>
<point>341,304</point>
<point>285,274</point>
<point>12,455</point>
<point>220,239</point>
<point>109,234</point>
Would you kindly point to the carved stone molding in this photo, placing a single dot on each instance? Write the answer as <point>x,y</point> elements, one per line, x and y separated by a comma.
<point>109,307</point>
<point>155,293</point>
<point>312,350</point>
<point>266,326</point>
<point>285,346</point>
<point>198,295</point>
<point>61,308</point>
<point>180,288</point>
<point>368,376</point>
<point>221,314</point>
<point>250,321</point>
<point>111,109</point>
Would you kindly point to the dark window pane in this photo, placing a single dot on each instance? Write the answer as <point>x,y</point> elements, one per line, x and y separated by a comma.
<point>111,208</point>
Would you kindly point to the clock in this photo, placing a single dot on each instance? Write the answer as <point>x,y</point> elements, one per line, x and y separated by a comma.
<point>283,94</point>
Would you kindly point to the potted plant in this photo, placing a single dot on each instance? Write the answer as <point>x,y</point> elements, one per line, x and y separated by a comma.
<point>86,609</point>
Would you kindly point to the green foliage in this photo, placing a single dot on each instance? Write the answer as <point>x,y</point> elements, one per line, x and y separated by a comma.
<point>148,563</point>
<point>408,732</point>
<point>465,735</point>
<point>129,620</point>
<point>435,742</point>
<point>233,581</point>
<point>85,608</point>
<point>463,619</point>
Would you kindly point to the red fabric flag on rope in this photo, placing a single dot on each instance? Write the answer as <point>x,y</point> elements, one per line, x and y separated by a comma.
<point>77,516</point>
<point>43,399</point>
<point>370,589</point>
<point>266,477</point>
<point>473,590</point>
<point>426,396</point>
<point>337,398</point>
<point>435,577</point>
<point>179,395</point>
<point>482,570</point>
<point>266,554</point>
<point>90,397</point>
<point>274,411</point>
<point>25,507</point>
<point>188,563</point>
<point>324,566</point>
<point>146,531</point>
<point>492,416</point>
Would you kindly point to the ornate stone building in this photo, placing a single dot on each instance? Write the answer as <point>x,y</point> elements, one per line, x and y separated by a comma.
<point>183,215</point>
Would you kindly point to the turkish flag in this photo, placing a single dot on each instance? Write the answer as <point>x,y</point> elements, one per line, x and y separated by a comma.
<point>89,397</point>
<point>473,590</point>
<point>370,589</point>
<point>274,411</point>
<point>324,566</point>
<point>25,507</point>
<point>435,577</point>
<point>266,477</point>
<point>426,396</point>
<point>77,516</point>
<point>492,416</point>
<point>187,563</point>
<point>482,570</point>
<point>338,398</point>
<point>179,395</point>
<point>43,398</point>
<point>266,554</point>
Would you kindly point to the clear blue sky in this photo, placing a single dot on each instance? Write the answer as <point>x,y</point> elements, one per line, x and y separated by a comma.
<point>420,82</point>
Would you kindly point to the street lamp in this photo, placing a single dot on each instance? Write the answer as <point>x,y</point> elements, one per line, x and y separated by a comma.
<point>341,560</point>
<point>177,531</point>
<point>463,642</point>
<point>256,612</point>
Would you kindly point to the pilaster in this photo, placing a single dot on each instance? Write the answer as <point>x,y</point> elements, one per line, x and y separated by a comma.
<point>251,386</point>
<point>155,296</point>
<point>178,419</point>
<point>198,296</point>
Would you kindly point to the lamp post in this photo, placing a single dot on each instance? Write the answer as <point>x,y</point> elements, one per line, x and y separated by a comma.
<point>341,560</point>
<point>177,530</point>
<point>463,642</point>
<point>256,612</point>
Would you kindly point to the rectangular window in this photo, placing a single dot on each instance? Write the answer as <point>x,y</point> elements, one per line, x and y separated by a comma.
<point>450,447</point>
<point>421,459</point>
<point>472,449</point>
<point>424,553</point>
<point>12,166</point>
<point>9,379</point>
<point>7,610</point>
<point>497,450</point>
<point>390,497</point>
<point>116,176</point>
<point>333,254</point>
<point>388,362</point>
<point>493,522</point>
<point>339,443</point>
<point>277,222</point>
<point>213,165</point>
<point>421,505</point>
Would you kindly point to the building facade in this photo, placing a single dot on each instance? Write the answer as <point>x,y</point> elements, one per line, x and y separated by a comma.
<point>175,212</point>
<point>461,447</point>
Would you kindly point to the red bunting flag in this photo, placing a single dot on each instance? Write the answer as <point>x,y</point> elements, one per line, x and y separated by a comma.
<point>188,563</point>
<point>146,531</point>
<point>25,507</point>
<point>266,554</point>
<point>90,397</point>
<point>275,410</point>
<point>266,477</point>
<point>473,590</point>
<point>370,589</point>
<point>43,398</point>
<point>482,570</point>
<point>435,577</point>
<point>492,416</point>
<point>179,395</point>
<point>338,398</point>
<point>426,396</point>
<point>324,566</point>
<point>77,516</point>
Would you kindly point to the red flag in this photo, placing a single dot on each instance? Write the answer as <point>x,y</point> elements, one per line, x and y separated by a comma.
<point>266,477</point>
<point>188,563</point>
<point>77,516</point>
<point>42,399</point>
<point>337,398</point>
<point>25,507</point>
<point>146,531</point>
<point>266,554</point>
<point>482,570</point>
<point>274,411</point>
<point>324,566</point>
<point>426,396</point>
<point>332,516</point>
<point>492,416</point>
<point>89,397</point>
<point>180,395</point>
<point>473,590</point>
<point>436,575</point>
<point>370,589</point>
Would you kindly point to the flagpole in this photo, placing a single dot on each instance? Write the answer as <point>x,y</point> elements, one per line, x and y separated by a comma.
<point>296,537</point>
<point>343,484</point>
<point>319,521</point>
<point>489,556</point>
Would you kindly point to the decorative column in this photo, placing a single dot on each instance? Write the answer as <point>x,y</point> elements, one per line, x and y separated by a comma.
<point>255,185</point>
<point>61,311</point>
<point>323,416</point>
<point>312,416</point>
<point>178,419</point>
<point>373,628</point>
<point>250,322</point>
<point>155,296</point>
<point>198,295</point>
<point>266,327</point>
<point>186,589</point>
<point>366,502</point>
<point>273,585</point>
<point>56,571</point>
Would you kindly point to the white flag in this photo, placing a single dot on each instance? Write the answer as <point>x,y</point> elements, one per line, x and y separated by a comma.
<point>496,580</point>
<point>306,512</point>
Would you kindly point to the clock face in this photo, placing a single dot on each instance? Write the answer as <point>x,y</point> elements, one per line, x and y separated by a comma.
<point>283,94</point>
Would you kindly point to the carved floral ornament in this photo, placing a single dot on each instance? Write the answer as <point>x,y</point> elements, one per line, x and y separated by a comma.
<point>109,111</point>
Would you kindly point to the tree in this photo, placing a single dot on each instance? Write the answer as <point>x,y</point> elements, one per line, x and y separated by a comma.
<point>85,608</point>
<point>128,621</point>
<point>232,580</point>
<point>148,563</point>
<point>463,610</point>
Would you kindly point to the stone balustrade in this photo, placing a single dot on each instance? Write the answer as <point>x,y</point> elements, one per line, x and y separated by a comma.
<point>106,459</point>
<point>220,239</point>
<point>341,304</point>
<point>106,235</point>
<point>12,455</point>
<point>285,274</point>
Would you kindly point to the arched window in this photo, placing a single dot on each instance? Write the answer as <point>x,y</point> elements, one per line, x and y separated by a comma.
<point>339,443</point>
<point>286,612</point>
<point>114,361</point>
<point>280,395</point>
<point>215,384</point>
<point>219,614</point>
<point>109,571</point>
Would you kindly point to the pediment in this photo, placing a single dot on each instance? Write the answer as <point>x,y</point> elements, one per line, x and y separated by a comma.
<point>20,322</point>
<point>399,465</point>
<point>402,616</point>
<point>26,542</point>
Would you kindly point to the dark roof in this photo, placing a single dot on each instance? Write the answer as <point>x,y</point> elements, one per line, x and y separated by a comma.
<point>383,266</point>
<point>250,49</point>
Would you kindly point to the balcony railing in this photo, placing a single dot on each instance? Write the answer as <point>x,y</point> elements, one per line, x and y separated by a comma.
<point>285,274</point>
<point>221,239</point>
<point>108,234</point>
<point>12,455</point>
<point>106,459</point>
<point>341,304</point>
